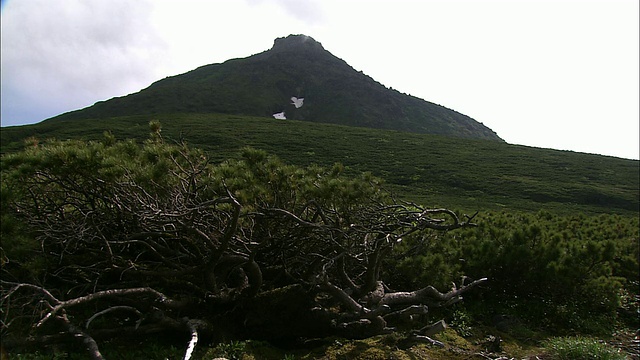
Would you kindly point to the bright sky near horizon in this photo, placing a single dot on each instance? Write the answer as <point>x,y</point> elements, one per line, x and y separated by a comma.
<point>561,74</point>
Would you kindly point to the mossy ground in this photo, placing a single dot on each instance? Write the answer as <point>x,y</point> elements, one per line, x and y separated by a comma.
<point>480,344</point>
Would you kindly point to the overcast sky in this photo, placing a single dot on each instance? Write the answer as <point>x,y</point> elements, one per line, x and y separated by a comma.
<point>560,74</point>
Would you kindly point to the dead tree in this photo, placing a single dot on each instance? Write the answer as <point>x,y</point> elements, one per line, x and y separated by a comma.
<point>247,249</point>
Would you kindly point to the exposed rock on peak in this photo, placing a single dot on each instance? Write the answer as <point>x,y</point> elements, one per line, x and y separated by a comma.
<point>296,43</point>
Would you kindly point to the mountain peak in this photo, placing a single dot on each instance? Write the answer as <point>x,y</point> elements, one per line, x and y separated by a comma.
<point>296,43</point>
<point>277,81</point>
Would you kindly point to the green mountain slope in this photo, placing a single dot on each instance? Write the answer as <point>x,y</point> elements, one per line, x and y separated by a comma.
<point>296,66</point>
<point>430,169</point>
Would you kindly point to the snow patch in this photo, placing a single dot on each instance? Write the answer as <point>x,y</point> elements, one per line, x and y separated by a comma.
<point>297,102</point>
<point>280,116</point>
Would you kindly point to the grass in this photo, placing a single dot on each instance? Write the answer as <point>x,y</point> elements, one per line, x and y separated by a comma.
<point>433,170</point>
<point>581,348</point>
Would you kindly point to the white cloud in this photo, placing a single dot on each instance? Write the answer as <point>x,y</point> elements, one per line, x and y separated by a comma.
<point>64,57</point>
<point>310,12</point>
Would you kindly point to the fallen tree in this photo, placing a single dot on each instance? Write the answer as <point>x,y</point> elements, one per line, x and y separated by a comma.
<point>113,238</point>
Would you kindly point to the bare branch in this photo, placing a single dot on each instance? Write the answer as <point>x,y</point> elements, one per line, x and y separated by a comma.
<point>115,308</point>
<point>440,224</point>
<point>86,339</point>
<point>427,293</point>
<point>193,341</point>
<point>28,286</point>
<point>426,339</point>
<point>109,293</point>
<point>344,297</point>
<point>294,217</point>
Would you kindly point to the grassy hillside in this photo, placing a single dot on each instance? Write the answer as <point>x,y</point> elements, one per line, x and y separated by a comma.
<point>263,84</point>
<point>434,170</point>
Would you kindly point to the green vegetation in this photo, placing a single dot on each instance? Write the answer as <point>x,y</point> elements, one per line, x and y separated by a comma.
<point>147,350</point>
<point>563,273</point>
<point>116,238</point>
<point>433,170</point>
<point>557,232</point>
<point>580,348</point>
<point>290,239</point>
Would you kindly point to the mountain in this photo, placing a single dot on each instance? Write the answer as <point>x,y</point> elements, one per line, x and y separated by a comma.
<point>296,79</point>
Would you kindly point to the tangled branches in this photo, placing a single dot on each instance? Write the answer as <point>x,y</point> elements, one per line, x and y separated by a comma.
<point>176,243</point>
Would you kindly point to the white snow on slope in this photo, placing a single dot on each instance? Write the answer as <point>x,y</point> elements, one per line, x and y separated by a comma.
<point>297,102</point>
<point>280,116</point>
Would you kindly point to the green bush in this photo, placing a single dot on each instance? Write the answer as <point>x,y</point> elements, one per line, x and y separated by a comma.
<point>567,272</point>
<point>232,350</point>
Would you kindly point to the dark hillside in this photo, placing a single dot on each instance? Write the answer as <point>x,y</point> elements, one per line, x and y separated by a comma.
<point>434,170</point>
<point>264,84</point>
